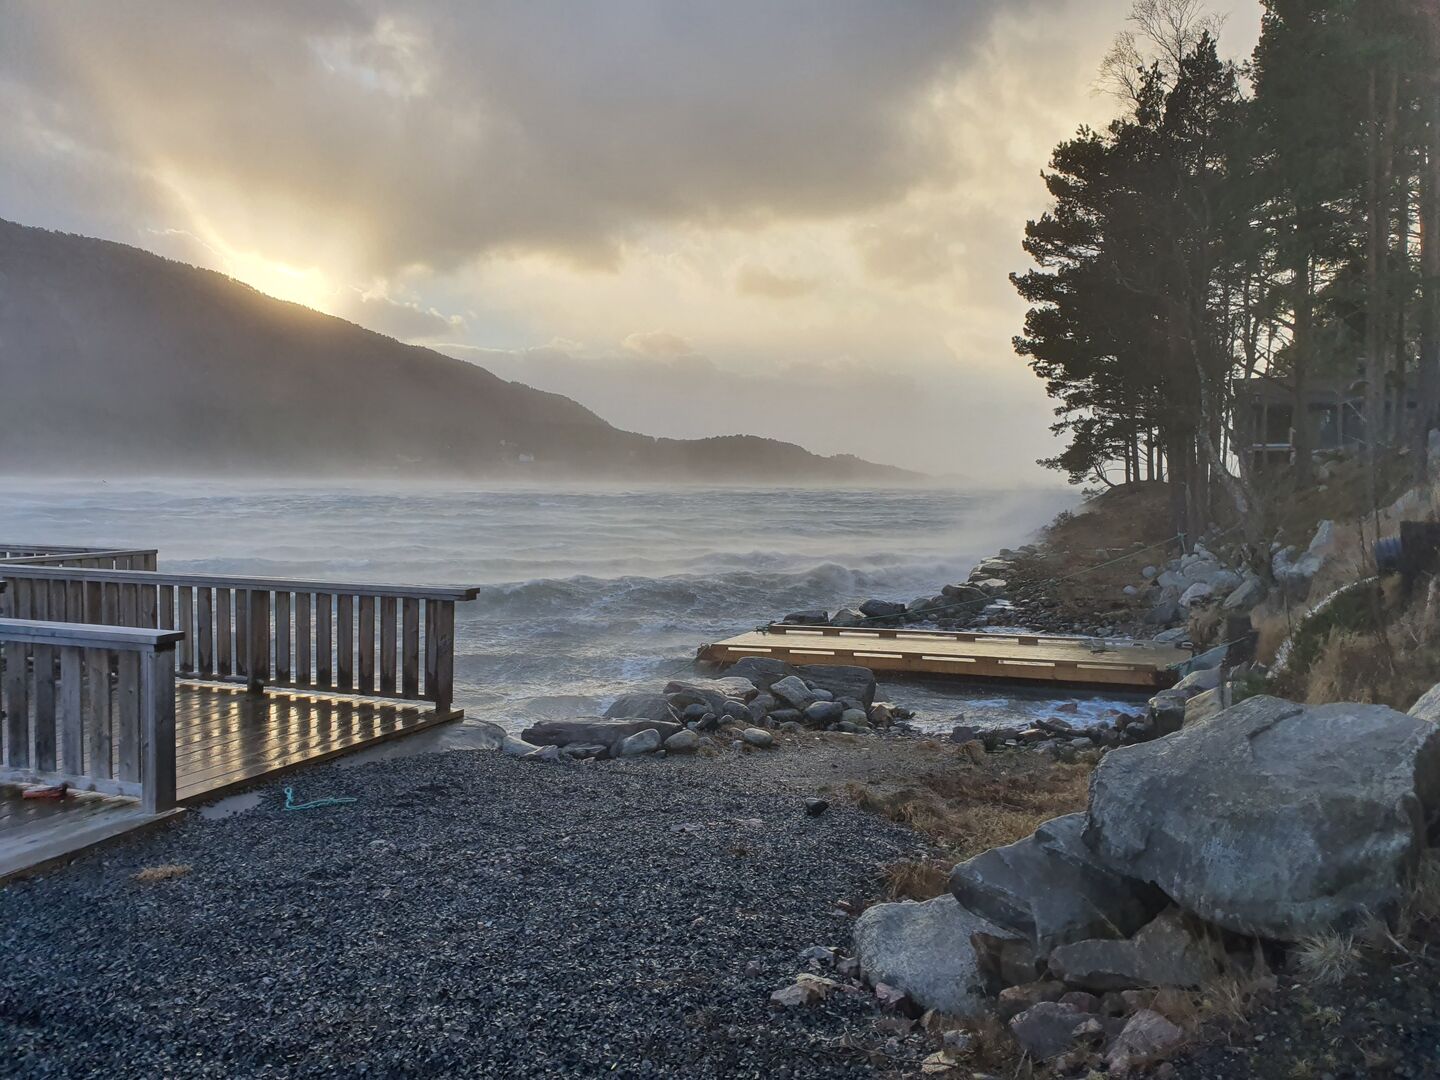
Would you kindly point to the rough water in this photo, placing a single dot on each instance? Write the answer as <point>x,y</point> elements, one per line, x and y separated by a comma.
<point>586,592</point>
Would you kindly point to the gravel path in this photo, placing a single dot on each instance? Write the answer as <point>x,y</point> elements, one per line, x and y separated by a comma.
<point>470,915</point>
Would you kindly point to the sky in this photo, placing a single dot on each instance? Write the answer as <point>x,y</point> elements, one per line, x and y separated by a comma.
<point>793,219</point>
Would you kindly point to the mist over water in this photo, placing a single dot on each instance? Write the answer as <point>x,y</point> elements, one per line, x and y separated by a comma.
<point>586,592</point>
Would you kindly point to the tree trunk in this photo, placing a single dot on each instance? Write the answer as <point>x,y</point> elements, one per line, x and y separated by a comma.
<point>1302,345</point>
<point>1380,102</point>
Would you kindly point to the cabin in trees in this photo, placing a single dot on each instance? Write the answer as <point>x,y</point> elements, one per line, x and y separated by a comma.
<point>1267,413</point>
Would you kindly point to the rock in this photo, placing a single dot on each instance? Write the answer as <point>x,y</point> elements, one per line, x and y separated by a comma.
<point>1273,819</point>
<point>793,691</point>
<point>823,955</point>
<point>758,737</point>
<point>795,995</point>
<point>1199,681</point>
<point>963,733</point>
<point>821,713</point>
<point>1050,889</point>
<point>814,617</point>
<point>1167,711</point>
<point>642,742</point>
<point>815,807</point>
<point>1045,1030</point>
<point>881,714</point>
<point>544,753</point>
<point>1130,590</point>
<point>1163,953</point>
<point>842,680</point>
<point>517,747</point>
<point>1195,593</point>
<point>1206,706</point>
<point>924,949</point>
<point>847,617</point>
<point>1004,960</point>
<point>593,732</point>
<point>991,586</point>
<point>1146,1037</point>
<point>1246,595</point>
<point>855,716</point>
<point>821,694</point>
<point>895,999</point>
<point>682,742</point>
<point>1149,573</point>
<point>641,706</point>
<point>1428,707</point>
<point>881,609</point>
<point>729,686</point>
<point>1014,1000</point>
<point>1224,582</point>
<point>787,716</point>
<point>1086,1003</point>
<point>582,750</point>
<point>1166,609</point>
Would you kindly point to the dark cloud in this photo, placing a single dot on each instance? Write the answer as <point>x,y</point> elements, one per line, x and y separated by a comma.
<point>451,129</point>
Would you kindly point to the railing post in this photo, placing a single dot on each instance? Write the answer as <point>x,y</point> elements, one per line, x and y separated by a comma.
<point>157,725</point>
<point>443,629</point>
<point>257,660</point>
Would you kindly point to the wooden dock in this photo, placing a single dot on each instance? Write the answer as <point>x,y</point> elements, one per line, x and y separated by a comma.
<point>1034,658</point>
<point>145,691</point>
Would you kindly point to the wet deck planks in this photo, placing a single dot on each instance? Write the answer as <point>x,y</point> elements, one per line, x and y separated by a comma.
<point>1037,657</point>
<point>225,738</point>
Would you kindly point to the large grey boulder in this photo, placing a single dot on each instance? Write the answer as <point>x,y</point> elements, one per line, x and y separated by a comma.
<point>1428,707</point>
<point>642,742</point>
<point>1164,953</point>
<point>642,707</point>
<point>1050,889</point>
<point>842,680</point>
<point>1246,595</point>
<point>595,732</point>
<point>881,609</point>
<point>1272,818</point>
<point>727,687</point>
<point>924,949</point>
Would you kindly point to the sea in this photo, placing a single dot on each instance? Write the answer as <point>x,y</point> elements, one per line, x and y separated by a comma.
<point>586,592</point>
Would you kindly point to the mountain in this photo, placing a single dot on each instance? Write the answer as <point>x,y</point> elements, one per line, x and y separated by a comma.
<point>114,360</point>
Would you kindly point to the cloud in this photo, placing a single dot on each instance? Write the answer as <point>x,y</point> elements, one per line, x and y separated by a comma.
<point>658,343</point>
<point>754,280</point>
<point>460,130</point>
<point>402,320</point>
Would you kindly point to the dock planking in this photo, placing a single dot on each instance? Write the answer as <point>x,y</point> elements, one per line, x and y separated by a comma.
<point>963,654</point>
<point>225,738</point>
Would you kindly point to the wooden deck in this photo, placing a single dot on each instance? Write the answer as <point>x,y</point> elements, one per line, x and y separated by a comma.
<point>225,738</point>
<point>968,655</point>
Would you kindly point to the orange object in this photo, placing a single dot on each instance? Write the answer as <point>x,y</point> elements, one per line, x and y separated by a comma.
<point>55,791</point>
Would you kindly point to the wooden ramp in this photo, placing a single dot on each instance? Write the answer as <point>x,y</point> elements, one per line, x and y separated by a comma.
<point>1040,658</point>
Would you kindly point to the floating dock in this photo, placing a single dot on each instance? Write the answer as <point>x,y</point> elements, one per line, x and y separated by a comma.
<point>1027,657</point>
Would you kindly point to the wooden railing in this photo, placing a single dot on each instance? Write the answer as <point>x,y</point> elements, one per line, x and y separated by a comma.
<point>322,636</point>
<point>93,706</point>
<point>90,559</point>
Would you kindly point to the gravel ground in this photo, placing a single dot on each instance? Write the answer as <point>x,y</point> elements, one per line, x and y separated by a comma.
<point>470,915</point>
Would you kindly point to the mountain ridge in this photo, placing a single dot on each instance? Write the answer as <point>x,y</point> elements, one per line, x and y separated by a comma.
<point>116,360</point>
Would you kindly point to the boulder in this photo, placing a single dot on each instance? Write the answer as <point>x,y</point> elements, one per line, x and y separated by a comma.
<point>1050,889</point>
<point>1206,706</point>
<point>1196,593</point>
<point>1199,681</point>
<point>847,617</point>
<point>1014,1000</point>
<point>1247,595</point>
<point>642,707</point>
<point>1167,711</point>
<point>1428,707</point>
<point>642,742</point>
<point>1163,953</point>
<point>924,949</point>
<point>517,747</point>
<point>881,609</point>
<point>682,742</point>
<point>1273,819</point>
<point>842,680</point>
<point>793,691</point>
<point>1046,1029</point>
<point>593,732</point>
<point>1146,1037</point>
<point>815,617</point>
<point>822,713</point>
<point>730,686</point>
<point>758,737</point>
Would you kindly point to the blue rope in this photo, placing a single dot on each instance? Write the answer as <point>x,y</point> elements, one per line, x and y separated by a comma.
<point>329,800</point>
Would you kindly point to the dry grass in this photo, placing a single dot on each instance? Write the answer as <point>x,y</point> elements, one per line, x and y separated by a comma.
<point>1327,958</point>
<point>910,879</point>
<point>970,808</point>
<point>164,872</point>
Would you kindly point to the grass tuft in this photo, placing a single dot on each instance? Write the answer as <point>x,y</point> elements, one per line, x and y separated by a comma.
<point>164,872</point>
<point>1327,958</point>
